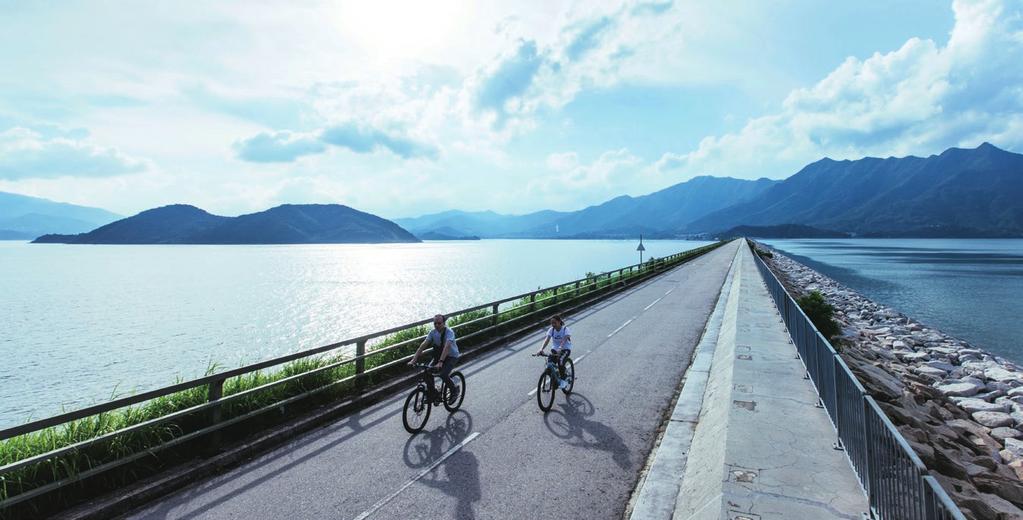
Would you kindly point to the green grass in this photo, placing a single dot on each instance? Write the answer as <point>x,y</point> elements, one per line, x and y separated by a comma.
<point>119,446</point>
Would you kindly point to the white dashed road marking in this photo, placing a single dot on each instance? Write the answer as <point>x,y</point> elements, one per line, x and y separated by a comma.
<point>613,332</point>
<point>422,474</point>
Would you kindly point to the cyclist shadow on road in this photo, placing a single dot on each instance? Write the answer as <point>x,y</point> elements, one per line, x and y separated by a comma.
<point>571,422</point>
<point>458,476</point>
<point>423,449</point>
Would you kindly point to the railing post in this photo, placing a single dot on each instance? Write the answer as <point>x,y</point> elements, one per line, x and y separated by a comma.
<point>576,293</point>
<point>838,405</point>
<point>532,301</point>
<point>494,311</point>
<point>868,462</point>
<point>360,362</point>
<point>215,392</point>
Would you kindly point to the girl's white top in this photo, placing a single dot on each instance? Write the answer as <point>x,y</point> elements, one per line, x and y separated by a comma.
<point>560,339</point>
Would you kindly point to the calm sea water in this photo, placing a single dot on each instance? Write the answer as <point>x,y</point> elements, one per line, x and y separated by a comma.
<point>79,324</point>
<point>969,288</point>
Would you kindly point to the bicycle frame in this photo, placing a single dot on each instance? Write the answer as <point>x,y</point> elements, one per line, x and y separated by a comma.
<point>427,372</point>
<point>553,367</point>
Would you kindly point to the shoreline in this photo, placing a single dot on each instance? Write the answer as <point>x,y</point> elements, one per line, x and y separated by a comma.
<point>960,407</point>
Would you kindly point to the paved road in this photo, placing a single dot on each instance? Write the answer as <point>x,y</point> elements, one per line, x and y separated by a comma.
<point>498,457</point>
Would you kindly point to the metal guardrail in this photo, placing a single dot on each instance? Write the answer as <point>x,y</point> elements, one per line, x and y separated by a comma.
<point>897,484</point>
<point>580,291</point>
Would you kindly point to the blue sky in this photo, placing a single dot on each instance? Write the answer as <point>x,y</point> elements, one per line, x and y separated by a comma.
<point>405,108</point>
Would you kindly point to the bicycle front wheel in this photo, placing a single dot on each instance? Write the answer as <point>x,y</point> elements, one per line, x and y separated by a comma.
<point>569,376</point>
<point>545,391</point>
<point>416,411</point>
<point>453,404</point>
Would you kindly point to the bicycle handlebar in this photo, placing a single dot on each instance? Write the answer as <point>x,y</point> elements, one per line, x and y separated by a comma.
<point>545,354</point>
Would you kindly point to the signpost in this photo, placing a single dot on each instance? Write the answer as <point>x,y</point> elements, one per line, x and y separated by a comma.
<point>641,249</point>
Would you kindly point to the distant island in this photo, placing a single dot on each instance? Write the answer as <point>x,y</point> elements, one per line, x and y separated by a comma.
<point>445,233</point>
<point>286,224</point>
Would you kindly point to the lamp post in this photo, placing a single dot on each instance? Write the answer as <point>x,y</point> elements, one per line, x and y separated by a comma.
<point>641,249</point>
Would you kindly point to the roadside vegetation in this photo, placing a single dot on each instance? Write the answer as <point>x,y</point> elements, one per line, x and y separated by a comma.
<point>821,313</point>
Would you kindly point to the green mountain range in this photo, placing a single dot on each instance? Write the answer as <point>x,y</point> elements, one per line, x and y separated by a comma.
<point>286,224</point>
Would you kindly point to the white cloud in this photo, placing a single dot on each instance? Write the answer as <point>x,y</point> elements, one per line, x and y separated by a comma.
<point>468,95</point>
<point>921,98</point>
<point>562,162</point>
<point>361,139</point>
<point>573,184</point>
<point>277,147</point>
<point>27,154</point>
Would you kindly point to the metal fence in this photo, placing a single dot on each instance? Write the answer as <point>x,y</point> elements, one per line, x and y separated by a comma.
<point>896,482</point>
<point>503,316</point>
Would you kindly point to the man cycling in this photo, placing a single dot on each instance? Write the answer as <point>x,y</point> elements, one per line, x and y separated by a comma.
<point>445,355</point>
<point>562,347</point>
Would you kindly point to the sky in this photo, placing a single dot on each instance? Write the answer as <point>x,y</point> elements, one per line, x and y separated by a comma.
<point>408,108</point>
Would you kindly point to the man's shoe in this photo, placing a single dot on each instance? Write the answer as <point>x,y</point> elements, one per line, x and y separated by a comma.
<point>563,384</point>
<point>453,397</point>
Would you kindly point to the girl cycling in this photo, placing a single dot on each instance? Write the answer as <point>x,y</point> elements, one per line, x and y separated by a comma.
<point>562,346</point>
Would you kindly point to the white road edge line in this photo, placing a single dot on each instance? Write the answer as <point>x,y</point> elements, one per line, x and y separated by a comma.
<point>531,392</point>
<point>422,474</point>
<point>613,332</point>
<point>669,291</point>
<point>652,304</point>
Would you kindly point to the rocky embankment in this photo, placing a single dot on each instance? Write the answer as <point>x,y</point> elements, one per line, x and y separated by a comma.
<point>960,407</point>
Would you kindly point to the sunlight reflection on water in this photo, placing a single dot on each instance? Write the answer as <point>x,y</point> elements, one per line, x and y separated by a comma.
<point>83,322</point>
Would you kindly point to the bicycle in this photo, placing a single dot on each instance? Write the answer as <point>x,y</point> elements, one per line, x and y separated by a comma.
<point>418,403</point>
<point>551,379</point>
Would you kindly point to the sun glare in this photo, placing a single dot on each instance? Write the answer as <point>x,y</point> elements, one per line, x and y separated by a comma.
<point>394,29</point>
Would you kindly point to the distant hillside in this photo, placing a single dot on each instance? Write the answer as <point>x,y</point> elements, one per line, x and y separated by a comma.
<point>287,224</point>
<point>481,223</point>
<point>961,192</point>
<point>25,217</point>
<point>663,213</point>
<point>446,233</point>
<point>782,231</point>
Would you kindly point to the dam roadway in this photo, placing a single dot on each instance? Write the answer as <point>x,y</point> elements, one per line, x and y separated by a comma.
<point>499,456</point>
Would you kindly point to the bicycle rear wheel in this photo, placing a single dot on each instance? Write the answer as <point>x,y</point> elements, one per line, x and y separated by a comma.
<point>453,405</point>
<point>545,388</point>
<point>569,376</point>
<point>416,411</point>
